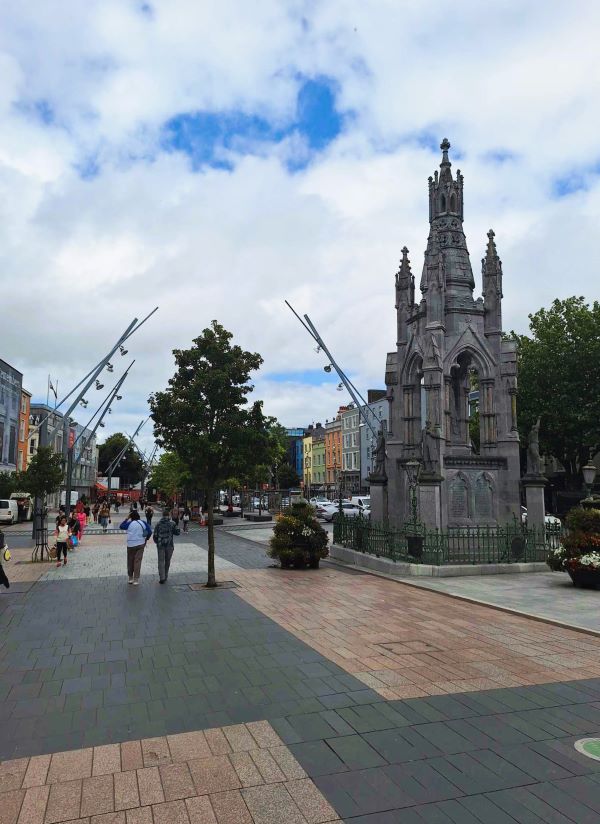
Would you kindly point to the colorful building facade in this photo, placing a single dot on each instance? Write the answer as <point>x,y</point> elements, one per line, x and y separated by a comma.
<point>23,438</point>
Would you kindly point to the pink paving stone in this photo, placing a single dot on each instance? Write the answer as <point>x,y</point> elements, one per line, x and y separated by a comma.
<point>267,766</point>
<point>33,808</point>
<point>272,804</point>
<point>176,781</point>
<point>239,738</point>
<point>287,763</point>
<point>131,756</point>
<point>10,804</point>
<point>12,773</point>
<point>68,766</point>
<point>106,760</point>
<point>97,795</point>
<point>213,775</point>
<point>311,803</point>
<point>172,812</point>
<point>63,802</point>
<point>246,769</point>
<point>142,815</point>
<point>150,787</point>
<point>264,734</point>
<point>230,808</point>
<point>217,742</point>
<point>188,745</point>
<point>126,790</point>
<point>155,751</point>
<point>200,810</point>
<point>37,771</point>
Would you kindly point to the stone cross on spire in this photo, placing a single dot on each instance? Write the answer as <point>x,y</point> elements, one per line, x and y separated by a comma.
<point>445,173</point>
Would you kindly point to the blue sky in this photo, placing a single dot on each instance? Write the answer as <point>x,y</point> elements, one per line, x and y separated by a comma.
<point>205,136</point>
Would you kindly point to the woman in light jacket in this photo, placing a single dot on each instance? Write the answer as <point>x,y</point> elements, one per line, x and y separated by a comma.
<point>138,533</point>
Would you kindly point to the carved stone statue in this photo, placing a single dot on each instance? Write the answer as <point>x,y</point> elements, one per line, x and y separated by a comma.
<point>430,447</point>
<point>534,461</point>
<point>379,463</point>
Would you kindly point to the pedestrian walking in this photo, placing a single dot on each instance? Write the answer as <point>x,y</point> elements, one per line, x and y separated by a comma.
<point>88,513</point>
<point>4,555</point>
<point>137,535</point>
<point>104,516</point>
<point>80,515</point>
<point>186,518</point>
<point>95,511</point>
<point>149,515</point>
<point>62,533</point>
<point>164,531</point>
<point>175,514</point>
<point>74,530</point>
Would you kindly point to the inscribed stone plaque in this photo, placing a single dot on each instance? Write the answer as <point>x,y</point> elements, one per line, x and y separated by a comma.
<point>484,508</point>
<point>458,504</point>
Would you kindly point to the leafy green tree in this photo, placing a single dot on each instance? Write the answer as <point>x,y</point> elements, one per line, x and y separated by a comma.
<point>131,468</point>
<point>204,417</point>
<point>559,380</point>
<point>44,474</point>
<point>169,475</point>
<point>7,484</point>
<point>287,476</point>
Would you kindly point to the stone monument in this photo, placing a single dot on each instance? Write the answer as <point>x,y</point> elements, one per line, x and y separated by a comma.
<point>449,355</point>
<point>534,481</point>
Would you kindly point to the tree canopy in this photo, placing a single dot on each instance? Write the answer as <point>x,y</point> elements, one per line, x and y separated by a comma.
<point>131,468</point>
<point>44,473</point>
<point>559,377</point>
<point>169,475</point>
<point>204,417</point>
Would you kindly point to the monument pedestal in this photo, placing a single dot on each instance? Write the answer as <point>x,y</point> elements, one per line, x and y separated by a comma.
<point>379,498</point>
<point>534,496</point>
<point>430,500</point>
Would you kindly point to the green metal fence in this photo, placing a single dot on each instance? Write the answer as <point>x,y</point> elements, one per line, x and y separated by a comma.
<point>415,543</point>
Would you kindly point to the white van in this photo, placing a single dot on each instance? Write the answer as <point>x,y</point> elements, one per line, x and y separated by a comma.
<point>9,511</point>
<point>363,501</point>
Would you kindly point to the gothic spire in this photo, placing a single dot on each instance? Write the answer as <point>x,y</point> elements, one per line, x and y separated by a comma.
<point>491,270</point>
<point>405,281</point>
<point>445,173</point>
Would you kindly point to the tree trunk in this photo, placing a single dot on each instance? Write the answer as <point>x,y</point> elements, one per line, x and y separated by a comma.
<point>211,580</point>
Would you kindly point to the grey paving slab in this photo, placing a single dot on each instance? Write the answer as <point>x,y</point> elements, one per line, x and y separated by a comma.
<point>87,660</point>
<point>548,595</point>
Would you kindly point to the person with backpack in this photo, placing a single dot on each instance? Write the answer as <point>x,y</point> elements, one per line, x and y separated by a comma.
<point>164,531</point>
<point>138,533</point>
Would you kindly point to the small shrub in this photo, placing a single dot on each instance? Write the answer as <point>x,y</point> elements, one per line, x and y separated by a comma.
<point>580,519</point>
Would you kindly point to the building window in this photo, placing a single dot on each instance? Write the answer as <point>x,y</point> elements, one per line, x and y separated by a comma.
<point>22,430</point>
<point>12,446</point>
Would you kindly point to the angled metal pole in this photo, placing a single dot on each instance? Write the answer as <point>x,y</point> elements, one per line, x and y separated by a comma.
<point>68,448</point>
<point>106,404</point>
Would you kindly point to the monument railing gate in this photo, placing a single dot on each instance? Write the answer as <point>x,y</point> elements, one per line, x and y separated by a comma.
<point>415,543</point>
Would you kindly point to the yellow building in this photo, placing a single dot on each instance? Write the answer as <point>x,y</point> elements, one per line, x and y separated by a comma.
<point>307,464</point>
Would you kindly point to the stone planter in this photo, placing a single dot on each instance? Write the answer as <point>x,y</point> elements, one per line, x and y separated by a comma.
<point>584,578</point>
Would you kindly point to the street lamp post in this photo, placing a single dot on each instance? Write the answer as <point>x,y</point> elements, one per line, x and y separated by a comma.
<point>589,474</point>
<point>414,540</point>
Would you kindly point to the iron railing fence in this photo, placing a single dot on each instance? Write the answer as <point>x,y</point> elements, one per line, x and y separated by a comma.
<point>416,543</point>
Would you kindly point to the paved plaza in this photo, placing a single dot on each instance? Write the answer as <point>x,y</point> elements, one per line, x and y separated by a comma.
<point>318,696</point>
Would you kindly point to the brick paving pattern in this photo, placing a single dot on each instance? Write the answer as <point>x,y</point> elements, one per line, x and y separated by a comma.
<point>222,776</point>
<point>296,697</point>
<point>404,642</point>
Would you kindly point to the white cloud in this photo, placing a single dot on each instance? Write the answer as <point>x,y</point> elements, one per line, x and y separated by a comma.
<point>79,258</point>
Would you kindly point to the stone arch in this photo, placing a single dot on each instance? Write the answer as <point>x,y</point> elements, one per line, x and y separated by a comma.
<point>442,202</point>
<point>453,202</point>
<point>479,359</point>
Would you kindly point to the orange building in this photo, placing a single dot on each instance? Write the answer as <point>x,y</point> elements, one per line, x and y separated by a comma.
<point>333,449</point>
<point>22,442</point>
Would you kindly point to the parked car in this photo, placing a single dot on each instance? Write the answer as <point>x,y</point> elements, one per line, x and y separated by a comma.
<point>319,500</point>
<point>349,509</point>
<point>549,520</point>
<point>9,511</point>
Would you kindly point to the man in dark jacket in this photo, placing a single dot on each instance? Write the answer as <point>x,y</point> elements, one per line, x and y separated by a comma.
<point>164,531</point>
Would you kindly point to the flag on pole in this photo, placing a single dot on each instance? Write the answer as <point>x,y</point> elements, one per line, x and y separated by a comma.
<point>52,389</point>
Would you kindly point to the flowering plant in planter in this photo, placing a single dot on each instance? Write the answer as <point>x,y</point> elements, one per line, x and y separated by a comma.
<point>556,558</point>
<point>581,547</point>
<point>298,539</point>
